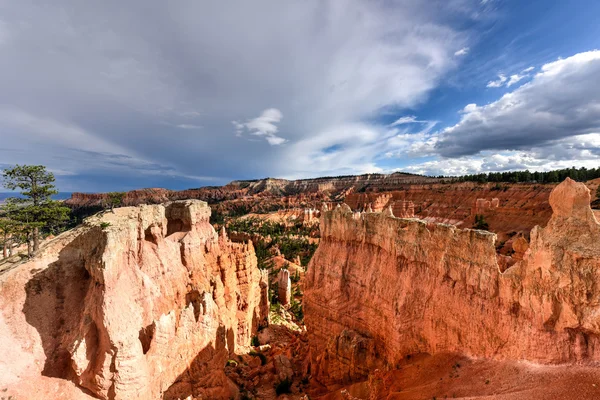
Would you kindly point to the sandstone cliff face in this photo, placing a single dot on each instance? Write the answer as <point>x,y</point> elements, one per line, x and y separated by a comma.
<point>507,208</point>
<point>380,288</point>
<point>140,304</point>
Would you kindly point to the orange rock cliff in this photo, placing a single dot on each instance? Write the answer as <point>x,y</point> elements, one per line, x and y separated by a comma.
<point>143,303</point>
<point>149,302</point>
<point>380,288</point>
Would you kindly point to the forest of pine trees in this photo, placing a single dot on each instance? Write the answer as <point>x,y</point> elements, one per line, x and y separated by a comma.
<point>577,174</point>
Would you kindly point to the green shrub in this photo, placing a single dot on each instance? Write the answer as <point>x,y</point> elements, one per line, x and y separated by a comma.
<point>480,223</point>
<point>296,310</point>
<point>296,277</point>
<point>231,363</point>
<point>104,225</point>
<point>254,342</point>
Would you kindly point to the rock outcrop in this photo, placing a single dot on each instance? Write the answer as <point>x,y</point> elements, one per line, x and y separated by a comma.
<point>144,303</point>
<point>483,205</point>
<point>404,209</point>
<point>510,208</point>
<point>284,283</point>
<point>380,288</point>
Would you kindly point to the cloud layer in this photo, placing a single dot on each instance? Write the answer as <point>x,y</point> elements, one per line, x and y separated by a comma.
<point>561,101</point>
<point>161,82</point>
<point>551,122</point>
<point>117,95</point>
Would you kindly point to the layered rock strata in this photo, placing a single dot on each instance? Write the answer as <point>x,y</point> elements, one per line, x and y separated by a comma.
<point>511,207</point>
<point>380,288</point>
<point>144,303</point>
<point>337,186</point>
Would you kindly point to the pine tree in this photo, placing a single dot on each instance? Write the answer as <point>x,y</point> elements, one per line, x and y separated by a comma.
<point>35,210</point>
<point>114,200</point>
<point>8,232</point>
<point>480,223</point>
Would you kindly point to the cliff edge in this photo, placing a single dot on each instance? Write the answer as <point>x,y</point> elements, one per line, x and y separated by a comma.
<point>143,303</point>
<point>380,288</point>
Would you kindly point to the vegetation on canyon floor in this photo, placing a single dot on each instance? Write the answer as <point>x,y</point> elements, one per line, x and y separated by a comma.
<point>291,240</point>
<point>481,223</point>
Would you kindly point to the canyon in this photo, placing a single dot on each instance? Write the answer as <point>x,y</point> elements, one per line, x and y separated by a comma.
<point>512,208</point>
<point>401,300</point>
<point>380,289</point>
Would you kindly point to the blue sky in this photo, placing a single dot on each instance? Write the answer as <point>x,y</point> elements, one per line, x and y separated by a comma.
<point>295,89</point>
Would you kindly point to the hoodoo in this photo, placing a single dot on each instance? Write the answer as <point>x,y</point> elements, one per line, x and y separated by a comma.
<point>143,303</point>
<point>381,288</point>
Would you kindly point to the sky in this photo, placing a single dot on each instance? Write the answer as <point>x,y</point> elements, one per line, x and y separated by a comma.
<point>117,95</point>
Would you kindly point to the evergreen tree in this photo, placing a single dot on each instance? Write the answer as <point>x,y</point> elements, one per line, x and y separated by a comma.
<point>35,210</point>
<point>114,200</point>
<point>480,223</point>
<point>552,176</point>
<point>8,234</point>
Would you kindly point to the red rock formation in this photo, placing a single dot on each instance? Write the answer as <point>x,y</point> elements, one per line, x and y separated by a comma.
<point>293,193</point>
<point>284,286</point>
<point>520,206</point>
<point>520,246</point>
<point>145,303</point>
<point>132,198</point>
<point>288,217</point>
<point>404,209</point>
<point>482,205</point>
<point>380,288</point>
<point>381,202</point>
<point>510,208</point>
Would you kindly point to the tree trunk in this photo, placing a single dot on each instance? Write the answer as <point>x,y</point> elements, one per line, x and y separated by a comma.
<point>36,239</point>
<point>29,250</point>
<point>5,249</point>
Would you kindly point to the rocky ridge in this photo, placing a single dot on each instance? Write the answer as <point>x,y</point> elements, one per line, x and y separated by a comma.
<point>144,303</point>
<point>337,187</point>
<point>380,289</point>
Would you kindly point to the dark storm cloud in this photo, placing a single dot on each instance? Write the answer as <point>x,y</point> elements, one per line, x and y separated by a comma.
<point>152,87</point>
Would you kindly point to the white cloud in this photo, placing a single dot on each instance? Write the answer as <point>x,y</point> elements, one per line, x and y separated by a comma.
<point>263,125</point>
<point>514,79</point>
<point>580,151</point>
<point>404,120</point>
<point>497,83</point>
<point>469,108</point>
<point>462,52</point>
<point>508,82</point>
<point>189,126</point>
<point>561,101</point>
<point>275,140</point>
